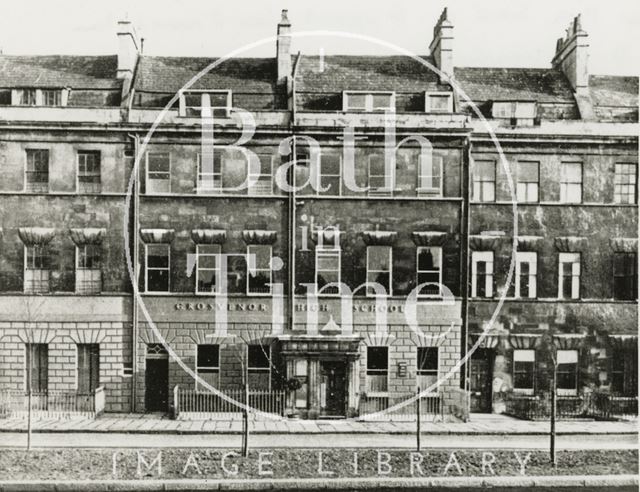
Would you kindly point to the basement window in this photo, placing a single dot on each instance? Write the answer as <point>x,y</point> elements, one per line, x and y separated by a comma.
<point>368,101</point>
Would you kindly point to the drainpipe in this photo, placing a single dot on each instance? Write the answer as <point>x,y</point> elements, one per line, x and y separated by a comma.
<point>465,182</point>
<point>292,202</point>
<point>134,262</point>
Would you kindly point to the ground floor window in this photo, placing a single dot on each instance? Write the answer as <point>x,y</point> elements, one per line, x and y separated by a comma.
<point>208,366</point>
<point>300,372</point>
<point>524,371</point>
<point>259,366</point>
<point>88,367</point>
<point>624,372</point>
<point>377,369</point>
<point>427,371</point>
<point>37,366</point>
<point>567,372</point>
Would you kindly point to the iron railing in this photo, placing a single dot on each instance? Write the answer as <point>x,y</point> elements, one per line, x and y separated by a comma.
<point>588,405</point>
<point>192,404</point>
<point>51,404</point>
<point>380,408</point>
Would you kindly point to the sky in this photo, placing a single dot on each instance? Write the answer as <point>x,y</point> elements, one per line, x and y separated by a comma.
<point>490,33</point>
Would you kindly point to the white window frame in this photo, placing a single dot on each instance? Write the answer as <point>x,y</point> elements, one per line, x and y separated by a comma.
<point>215,178</point>
<point>256,370</point>
<point>255,190</point>
<point>620,183</point>
<point>87,275</point>
<point>205,102</point>
<point>42,272</point>
<point>332,251</point>
<point>423,176</point>
<point>366,371</point>
<point>45,189</point>
<point>98,187</point>
<point>530,257</point>
<point>57,95</point>
<point>371,292</point>
<point>524,188</point>
<point>368,107</point>
<point>330,192</point>
<point>480,185</point>
<point>257,270</point>
<point>216,270</point>
<point>429,296</point>
<point>379,191</point>
<point>524,355</point>
<point>427,102</point>
<point>574,259</point>
<point>565,186</point>
<point>567,357</point>
<point>480,257</point>
<point>208,368</point>
<point>147,179</point>
<point>146,268</point>
<point>427,372</point>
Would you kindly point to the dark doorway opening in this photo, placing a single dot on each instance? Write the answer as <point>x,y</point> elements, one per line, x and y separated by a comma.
<point>156,398</point>
<point>333,388</point>
<point>480,373</point>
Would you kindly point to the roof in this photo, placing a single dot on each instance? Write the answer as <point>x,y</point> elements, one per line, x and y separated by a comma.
<point>170,74</point>
<point>79,72</point>
<point>544,85</point>
<point>370,73</point>
<point>609,90</point>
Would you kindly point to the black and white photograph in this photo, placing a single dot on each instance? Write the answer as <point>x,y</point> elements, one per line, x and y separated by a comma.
<point>275,245</point>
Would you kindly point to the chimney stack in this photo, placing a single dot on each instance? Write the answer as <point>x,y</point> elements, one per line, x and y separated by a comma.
<point>283,49</point>
<point>572,53</point>
<point>441,46</point>
<point>128,49</point>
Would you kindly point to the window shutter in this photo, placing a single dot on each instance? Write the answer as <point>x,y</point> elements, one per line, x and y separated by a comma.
<point>15,97</point>
<point>64,98</point>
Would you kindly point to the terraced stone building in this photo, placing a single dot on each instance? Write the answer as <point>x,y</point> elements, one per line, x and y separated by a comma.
<point>254,269</point>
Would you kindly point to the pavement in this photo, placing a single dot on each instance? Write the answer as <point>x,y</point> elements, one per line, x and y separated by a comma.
<point>595,483</point>
<point>317,441</point>
<point>478,424</point>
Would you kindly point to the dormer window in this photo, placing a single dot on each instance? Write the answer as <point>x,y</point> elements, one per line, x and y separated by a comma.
<point>51,97</point>
<point>27,97</point>
<point>438,102</point>
<point>519,113</point>
<point>368,101</point>
<point>39,97</point>
<point>205,103</point>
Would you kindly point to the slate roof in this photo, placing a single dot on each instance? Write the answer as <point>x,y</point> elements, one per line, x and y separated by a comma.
<point>366,73</point>
<point>544,85</point>
<point>57,71</point>
<point>170,74</point>
<point>608,90</point>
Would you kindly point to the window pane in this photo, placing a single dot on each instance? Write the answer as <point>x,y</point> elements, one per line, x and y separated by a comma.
<point>208,356</point>
<point>381,101</point>
<point>378,258</point>
<point>158,163</point>
<point>356,101</point>
<point>429,259</point>
<point>258,356</point>
<point>158,280</point>
<point>427,358</point>
<point>377,358</point>
<point>158,256</point>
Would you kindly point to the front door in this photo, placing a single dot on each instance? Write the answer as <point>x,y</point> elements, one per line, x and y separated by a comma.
<point>480,380</point>
<point>333,388</point>
<point>156,398</point>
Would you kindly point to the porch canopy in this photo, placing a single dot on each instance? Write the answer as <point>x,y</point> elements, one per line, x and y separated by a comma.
<point>328,346</point>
